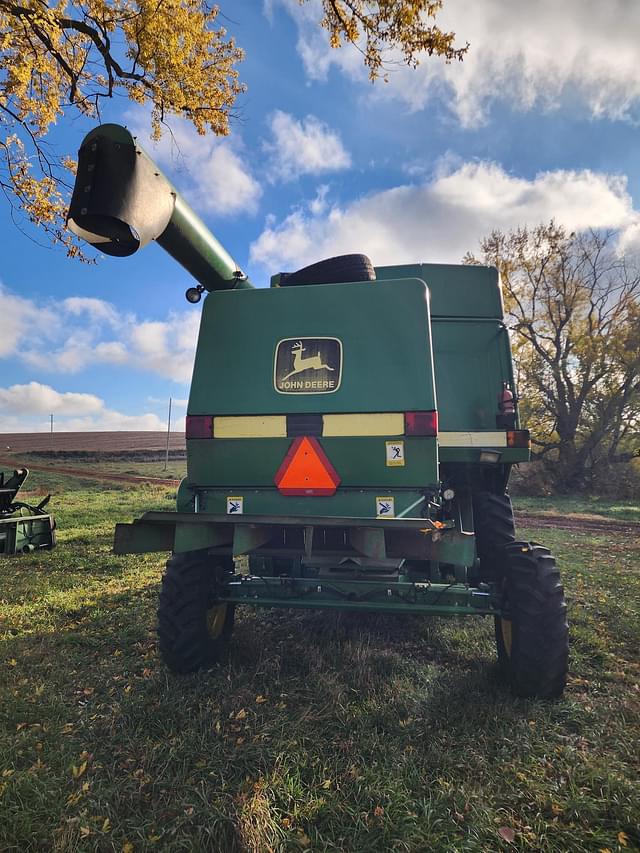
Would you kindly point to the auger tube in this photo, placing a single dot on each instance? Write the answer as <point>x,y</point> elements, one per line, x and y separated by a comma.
<point>121,201</point>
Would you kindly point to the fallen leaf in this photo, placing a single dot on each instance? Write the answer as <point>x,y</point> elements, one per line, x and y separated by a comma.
<point>127,847</point>
<point>12,662</point>
<point>326,784</point>
<point>378,811</point>
<point>241,714</point>
<point>304,840</point>
<point>261,699</point>
<point>623,839</point>
<point>106,826</point>
<point>507,834</point>
<point>78,771</point>
<point>84,831</point>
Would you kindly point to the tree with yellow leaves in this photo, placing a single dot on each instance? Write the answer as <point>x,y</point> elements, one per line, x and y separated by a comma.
<point>572,303</point>
<point>64,57</point>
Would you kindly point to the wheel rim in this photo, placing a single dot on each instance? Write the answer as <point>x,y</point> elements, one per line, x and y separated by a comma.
<point>505,627</point>
<point>216,617</point>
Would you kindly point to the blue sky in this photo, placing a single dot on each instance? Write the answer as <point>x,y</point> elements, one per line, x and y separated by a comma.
<point>540,121</point>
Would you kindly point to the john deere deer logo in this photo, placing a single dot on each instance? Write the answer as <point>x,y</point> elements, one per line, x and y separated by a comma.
<point>312,362</point>
<point>298,373</point>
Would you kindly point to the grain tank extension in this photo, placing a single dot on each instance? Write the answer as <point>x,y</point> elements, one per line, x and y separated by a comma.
<point>350,434</point>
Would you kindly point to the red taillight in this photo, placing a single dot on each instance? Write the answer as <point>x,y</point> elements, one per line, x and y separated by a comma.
<point>421,423</point>
<point>199,426</point>
<point>518,438</point>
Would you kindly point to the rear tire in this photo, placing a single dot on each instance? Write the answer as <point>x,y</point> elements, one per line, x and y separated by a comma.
<point>332,271</point>
<point>194,626</point>
<point>532,637</point>
<point>494,528</point>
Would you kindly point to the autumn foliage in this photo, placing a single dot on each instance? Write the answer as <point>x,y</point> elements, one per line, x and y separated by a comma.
<point>573,307</point>
<point>66,57</point>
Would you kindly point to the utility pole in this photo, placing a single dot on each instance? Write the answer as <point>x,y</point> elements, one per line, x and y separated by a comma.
<point>166,458</point>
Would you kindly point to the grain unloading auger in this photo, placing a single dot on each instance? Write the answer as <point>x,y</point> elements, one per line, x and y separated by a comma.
<point>350,433</point>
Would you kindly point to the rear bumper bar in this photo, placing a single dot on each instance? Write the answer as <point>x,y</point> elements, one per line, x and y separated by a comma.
<point>297,536</point>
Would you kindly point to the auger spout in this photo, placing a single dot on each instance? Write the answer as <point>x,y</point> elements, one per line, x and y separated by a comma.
<point>121,201</point>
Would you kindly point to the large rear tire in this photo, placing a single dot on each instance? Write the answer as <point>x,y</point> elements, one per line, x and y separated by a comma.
<point>532,635</point>
<point>194,626</point>
<point>494,528</point>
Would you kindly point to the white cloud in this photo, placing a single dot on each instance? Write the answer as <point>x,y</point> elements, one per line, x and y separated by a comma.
<point>21,318</point>
<point>525,53</point>
<point>439,221</point>
<point>71,335</point>
<point>210,172</point>
<point>25,407</point>
<point>36,399</point>
<point>307,147</point>
<point>93,309</point>
<point>165,347</point>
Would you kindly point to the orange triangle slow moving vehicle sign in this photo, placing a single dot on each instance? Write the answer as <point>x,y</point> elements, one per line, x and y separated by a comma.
<point>306,470</point>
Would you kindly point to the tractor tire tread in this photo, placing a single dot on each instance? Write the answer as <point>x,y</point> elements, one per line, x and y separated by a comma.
<point>494,527</point>
<point>185,645</point>
<point>540,647</point>
<point>342,268</point>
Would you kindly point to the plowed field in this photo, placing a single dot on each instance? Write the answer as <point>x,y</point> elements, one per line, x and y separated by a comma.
<point>24,442</point>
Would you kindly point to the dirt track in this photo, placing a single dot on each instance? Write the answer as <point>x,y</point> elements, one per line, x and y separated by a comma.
<point>578,523</point>
<point>92,474</point>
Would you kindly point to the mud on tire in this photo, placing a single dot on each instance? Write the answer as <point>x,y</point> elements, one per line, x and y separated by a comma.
<point>533,636</point>
<point>193,627</point>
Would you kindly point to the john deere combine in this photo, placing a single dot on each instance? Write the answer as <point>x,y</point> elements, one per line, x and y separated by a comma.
<point>350,430</point>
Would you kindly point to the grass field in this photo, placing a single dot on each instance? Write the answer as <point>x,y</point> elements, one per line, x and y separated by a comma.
<point>323,732</point>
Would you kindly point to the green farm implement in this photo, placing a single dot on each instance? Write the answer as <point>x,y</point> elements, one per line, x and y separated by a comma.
<point>23,527</point>
<point>350,434</point>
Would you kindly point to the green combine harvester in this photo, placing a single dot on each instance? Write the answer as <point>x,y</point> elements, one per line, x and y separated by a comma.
<point>350,434</point>
<point>23,527</point>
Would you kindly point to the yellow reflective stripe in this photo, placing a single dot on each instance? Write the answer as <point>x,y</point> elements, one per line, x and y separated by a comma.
<point>253,426</point>
<point>275,426</point>
<point>390,423</point>
<point>356,425</point>
<point>472,439</point>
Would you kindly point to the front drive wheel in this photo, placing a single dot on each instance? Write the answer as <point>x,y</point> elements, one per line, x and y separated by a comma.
<point>193,626</point>
<point>532,636</point>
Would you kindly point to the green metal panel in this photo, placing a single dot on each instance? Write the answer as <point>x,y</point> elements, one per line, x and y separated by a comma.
<point>386,343</point>
<point>358,461</point>
<point>359,503</point>
<point>472,360</point>
<point>456,290</point>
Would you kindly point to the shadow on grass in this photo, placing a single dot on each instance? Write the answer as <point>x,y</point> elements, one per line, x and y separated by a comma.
<point>341,731</point>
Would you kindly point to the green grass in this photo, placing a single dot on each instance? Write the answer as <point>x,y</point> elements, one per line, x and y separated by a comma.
<point>324,732</point>
<point>580,505</point>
